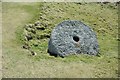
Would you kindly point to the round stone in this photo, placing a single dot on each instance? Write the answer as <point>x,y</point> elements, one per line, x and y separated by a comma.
<point>72,37</point>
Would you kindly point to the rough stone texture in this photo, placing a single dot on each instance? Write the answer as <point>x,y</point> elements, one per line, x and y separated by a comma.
<point>72,37</point>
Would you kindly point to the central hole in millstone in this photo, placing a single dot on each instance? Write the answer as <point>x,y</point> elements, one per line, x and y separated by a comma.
<point>76,38</point>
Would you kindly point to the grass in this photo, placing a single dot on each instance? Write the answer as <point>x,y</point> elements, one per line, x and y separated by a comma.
<point>18,62</point>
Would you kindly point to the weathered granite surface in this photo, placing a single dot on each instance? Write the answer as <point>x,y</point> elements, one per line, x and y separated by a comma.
<point>72,37</point>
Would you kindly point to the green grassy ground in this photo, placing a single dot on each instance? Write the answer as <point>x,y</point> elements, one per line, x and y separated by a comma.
<point>18,62</point>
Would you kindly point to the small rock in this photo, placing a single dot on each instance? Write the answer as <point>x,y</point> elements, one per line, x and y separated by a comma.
<point>105,2</point>
<point>40,28</point>
<point>35,44</point>
<point>33,31</point>
<point>27,25</point>
<point>33,53</point>
<point>30,29</point>
<point>47,35</point>
<point>94,24</point>
<point>26,46</point>
<point>40,13</point>
<point>118,39</point>
<point>30,25</point>
<point>37,23</point>
<point>28,37</point>
<point>42,17</point>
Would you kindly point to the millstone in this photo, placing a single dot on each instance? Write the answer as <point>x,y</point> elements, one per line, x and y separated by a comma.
<point>72,37</point>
